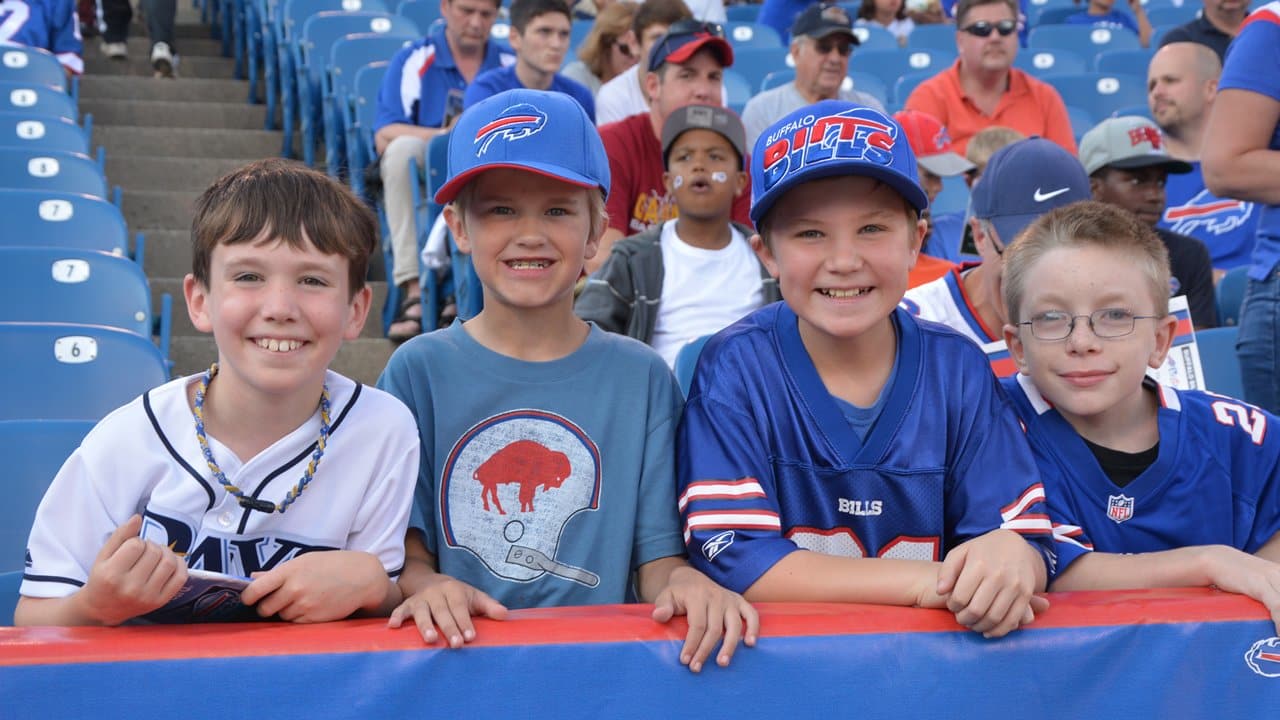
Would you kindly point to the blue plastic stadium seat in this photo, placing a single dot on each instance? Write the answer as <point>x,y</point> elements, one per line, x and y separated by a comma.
<point>755,63</point>
<point>363,110</point>
<point>941,36</point>
<point>1087,40</point>
<point>743,12</point>
<point>23,64</point>
<point>1049,61</point>
<point>28,97</point>
<point>423,13</point>
<point>751,34</point>
<point>906,84</point>
<point>874,37</point>
<point>1100,94</point>
<point>1082,121</point>
<point>889,65</point>
<point>1230,294</point>
<point>34,451</point>
<point>347,56</point>
<point>51,171</point>
<point>1055,15</point>
<point>1174,14</point>
<point>65,220</point>
<point>73,372</point>
<point>738,90</point>
<point>30,131</point>
<point>45,284</point>
<point>1132,62</point>
<point>1219,360</point>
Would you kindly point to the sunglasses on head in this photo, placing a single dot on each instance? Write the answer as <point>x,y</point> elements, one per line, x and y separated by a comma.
<point>982,28</point>
<point>690,26</point>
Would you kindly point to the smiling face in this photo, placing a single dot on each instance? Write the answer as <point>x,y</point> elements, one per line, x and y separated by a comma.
<point>278,315</point>
<point>841,248</point>
<point>528,236</point>
<point>1087,378</point>
<point>708,172</point>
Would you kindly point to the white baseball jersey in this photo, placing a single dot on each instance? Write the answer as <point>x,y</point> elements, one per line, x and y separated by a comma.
<point>144,458</point>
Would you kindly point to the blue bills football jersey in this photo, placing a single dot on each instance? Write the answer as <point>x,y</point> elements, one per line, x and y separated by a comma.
<point>1213,481</point>
<point>47,24</point>
<point>768,465</point>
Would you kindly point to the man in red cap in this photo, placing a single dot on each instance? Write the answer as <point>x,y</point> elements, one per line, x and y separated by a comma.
<point>685,67</point>
<point>935,159</point>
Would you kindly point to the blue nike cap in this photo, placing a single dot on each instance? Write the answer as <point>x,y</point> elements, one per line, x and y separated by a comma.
<point>1025,180</point>
<point>830,138</point>
<point>547,133</point>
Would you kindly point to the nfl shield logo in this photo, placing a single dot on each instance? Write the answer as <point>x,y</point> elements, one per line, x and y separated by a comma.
<point>1119,507</point>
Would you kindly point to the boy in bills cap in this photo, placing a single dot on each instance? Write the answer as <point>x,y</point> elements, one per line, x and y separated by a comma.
<point>512,446</point>
<point>833,447</point>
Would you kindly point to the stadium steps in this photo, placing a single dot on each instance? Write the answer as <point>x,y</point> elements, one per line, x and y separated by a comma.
<point>166,140</point>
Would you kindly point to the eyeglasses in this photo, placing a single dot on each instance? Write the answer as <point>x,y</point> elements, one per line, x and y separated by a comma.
<point>824,47</point>
<point>983,28</point>
<point>1106,323</point>
<point>623,48</point>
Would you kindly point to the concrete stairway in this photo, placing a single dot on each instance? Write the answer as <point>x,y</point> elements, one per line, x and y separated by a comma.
<point>166,140</point>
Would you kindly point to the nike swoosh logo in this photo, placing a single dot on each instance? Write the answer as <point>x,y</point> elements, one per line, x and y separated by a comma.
<point>1041,197</point>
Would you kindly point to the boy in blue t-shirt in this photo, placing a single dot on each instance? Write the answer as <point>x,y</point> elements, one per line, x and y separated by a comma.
<point>1148,486</point>
<point>1101,13</point>
<point>833,447</point>
<point>546,475</point>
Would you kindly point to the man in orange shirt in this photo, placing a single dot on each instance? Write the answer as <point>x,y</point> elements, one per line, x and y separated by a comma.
<point>983,88</point>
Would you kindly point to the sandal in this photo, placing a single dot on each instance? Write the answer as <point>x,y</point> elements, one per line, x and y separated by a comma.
<point>408,322</point>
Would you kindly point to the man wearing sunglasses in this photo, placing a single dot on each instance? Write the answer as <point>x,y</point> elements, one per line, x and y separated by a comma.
<point>822,41</point>
<point>624,96</point>
<point>983,88</point>
<point>685,67</point>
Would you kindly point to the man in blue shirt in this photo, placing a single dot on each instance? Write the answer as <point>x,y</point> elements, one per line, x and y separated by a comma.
<point>421,96</point>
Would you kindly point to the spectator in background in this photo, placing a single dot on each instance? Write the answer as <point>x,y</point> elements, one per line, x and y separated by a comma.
<point>983,145</point>
<point>888,14</point>
<point>935,159</point>
<point>160,16</point>
<point>1127,165</point>
<point>685,67</point>
<point>1182,82</point>
<point>822,40</point>
<point>1102,13</point>
<point>1241,162</point>
<point>983,88</point>
<point>707,10</point>
<point>624,95</point>
<point>1217,25</point>
<point>540,38</point>
<point>608,50</point>
<point>421,96</point>
<point>51,25</point>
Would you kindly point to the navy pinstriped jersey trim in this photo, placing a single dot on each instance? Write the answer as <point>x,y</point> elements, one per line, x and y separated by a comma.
<point>52,578</point>
<point>155,425</point>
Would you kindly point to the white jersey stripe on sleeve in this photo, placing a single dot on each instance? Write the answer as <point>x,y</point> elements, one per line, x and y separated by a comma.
<point>1030,496</point>
<point>721,490</point>
<point>411,77</point>
<point>1028,524</point>
<point>1068,534</point>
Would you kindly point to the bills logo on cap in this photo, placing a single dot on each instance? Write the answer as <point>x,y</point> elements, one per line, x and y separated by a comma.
<point>856,134</point>
<point>1119,507</point>
<point>1145,134</point>
<point>515,123</point>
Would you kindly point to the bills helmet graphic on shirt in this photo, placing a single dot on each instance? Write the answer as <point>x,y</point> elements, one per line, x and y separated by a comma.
<point>517,123</point>
<point>510,486</point>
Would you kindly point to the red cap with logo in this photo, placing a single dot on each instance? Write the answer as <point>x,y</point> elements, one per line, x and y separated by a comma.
<point>932,145</point>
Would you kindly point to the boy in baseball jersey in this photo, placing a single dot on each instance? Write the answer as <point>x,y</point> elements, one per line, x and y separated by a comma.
<point>833,447</point>
<point>546,473</point>
<point>268,465</point>
<point>1148,486</point>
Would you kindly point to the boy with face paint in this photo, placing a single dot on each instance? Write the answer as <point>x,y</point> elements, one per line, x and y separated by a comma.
<point>695,274</point>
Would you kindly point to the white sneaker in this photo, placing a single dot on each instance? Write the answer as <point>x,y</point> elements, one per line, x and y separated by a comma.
<point>162,59</point>
<point>115,50</point>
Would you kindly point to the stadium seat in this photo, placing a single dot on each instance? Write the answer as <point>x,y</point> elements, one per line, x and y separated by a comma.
<point>743,12</point>
<point>1219,360</point>
<point>954,197</point>
<point>51,171</point>
<point>940,36</point>
<point>870,84</point>
<point>37,99</point>
<point>889,65</point>
<point>34,451</point>
<point>1082,121</point>
<point>687,362</point>
<point>1054,15</point>
<point>751,34</point>
<point>874,37</point>
<point>1132,62</point>
<point>65,371</point>
<point>755,63</point>
<point>423,13</point>
<point>1230,294</point>
<point>578,31</point>
<point>23,64</point>
<point>347,56</point>
<point>1158,32</point>
<point>1035,5</point>
<point>1086,40</point>
<point>1100,94</point>
<point>780,77</point>
<point>902,89</point>
<point>737,90</point>
<point>1047,61</point>
<point>362,110</point>
<point>1173,14</point>
<point>63,220</point>
<point>28,131</point>
<point>1142,110</point>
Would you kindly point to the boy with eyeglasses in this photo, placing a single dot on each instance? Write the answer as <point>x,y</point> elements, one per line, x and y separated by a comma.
<point>983,88</point>
<point>1147,486</point>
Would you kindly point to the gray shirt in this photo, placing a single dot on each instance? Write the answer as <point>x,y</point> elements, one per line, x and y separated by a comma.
<point>769,106</point>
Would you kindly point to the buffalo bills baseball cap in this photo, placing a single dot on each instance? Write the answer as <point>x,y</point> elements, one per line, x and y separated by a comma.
<point>718,120</point>
<point>1024,181</point>
<point>1127,142</point>
<point>931,144</point>
<point>826,139</point>
<point>547,133</point>
<point>686,37</point>
<point>822,19</point>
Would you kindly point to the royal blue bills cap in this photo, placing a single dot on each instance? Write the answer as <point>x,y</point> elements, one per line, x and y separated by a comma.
<point>547,133</point>
<point>1025,180</point>
<point>830,138</point>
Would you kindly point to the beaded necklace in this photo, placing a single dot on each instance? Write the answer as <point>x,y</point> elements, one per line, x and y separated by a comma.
<point>265,506</point>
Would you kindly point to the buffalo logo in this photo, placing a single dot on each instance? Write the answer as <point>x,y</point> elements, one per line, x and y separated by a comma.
<point>858,133</point>
<point>1119,507</point>
<point>1205,211</point>
<point>717,544</point>
<point>515,123</point>
<point>509,489</point>
<point>1145,134</point>
<point>1264,657</point>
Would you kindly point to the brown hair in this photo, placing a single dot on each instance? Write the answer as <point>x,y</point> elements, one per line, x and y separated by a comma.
<point>1086,224</point>
<point>285,201</point>
<point>611,23</point>
<point>964,6</point>
<point>658,12</point>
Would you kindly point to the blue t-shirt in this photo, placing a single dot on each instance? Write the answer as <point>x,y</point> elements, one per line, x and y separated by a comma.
<point>492,82</point>
<point>46,24</point>
<point>423,85</point>
<point>1113,20</point>
<point>860,418</point>
<point>542,483</point>
<point>1253,64</point>
<point>1227,227</point>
